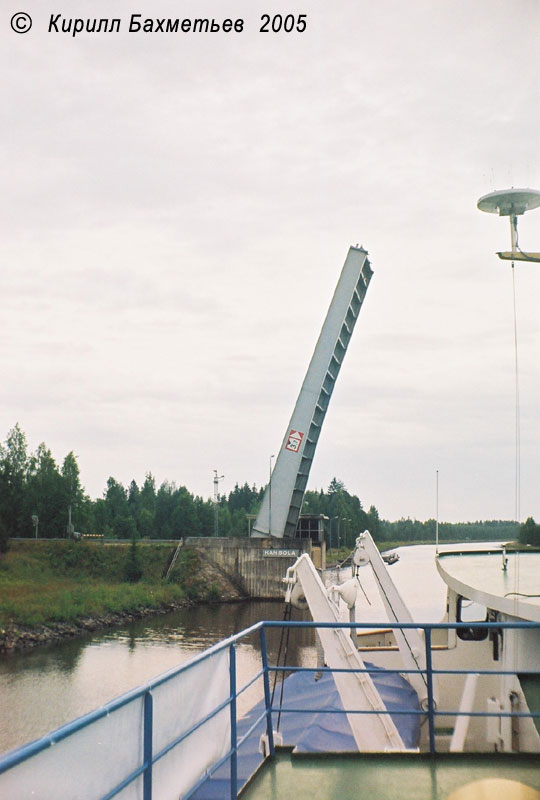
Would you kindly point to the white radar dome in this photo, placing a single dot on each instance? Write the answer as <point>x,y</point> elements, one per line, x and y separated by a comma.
<point>510,202</point>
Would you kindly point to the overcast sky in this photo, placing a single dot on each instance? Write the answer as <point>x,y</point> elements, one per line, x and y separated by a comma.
<point>176,210</point>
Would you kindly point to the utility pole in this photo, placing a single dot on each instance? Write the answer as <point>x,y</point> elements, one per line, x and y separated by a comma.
<point>217,479</point>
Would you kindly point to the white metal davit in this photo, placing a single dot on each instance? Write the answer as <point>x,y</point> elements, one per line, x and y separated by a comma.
<point>411,645</point>
<point>372,732</point>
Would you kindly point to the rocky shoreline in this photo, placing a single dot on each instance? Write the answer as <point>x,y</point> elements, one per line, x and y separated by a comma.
<point>14,638</point>
<point>18,637</point>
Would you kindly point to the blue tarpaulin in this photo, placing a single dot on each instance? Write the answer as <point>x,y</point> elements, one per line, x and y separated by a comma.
<point>312,731</point>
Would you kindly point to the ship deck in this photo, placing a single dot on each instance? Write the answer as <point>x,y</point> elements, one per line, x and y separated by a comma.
<point>388,776</point>
<point>480,576</point>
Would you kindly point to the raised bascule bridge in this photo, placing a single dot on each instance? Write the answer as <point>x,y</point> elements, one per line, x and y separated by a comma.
<point>280,532</point>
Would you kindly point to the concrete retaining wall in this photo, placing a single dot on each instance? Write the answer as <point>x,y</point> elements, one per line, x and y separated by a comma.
<point>256,566</point>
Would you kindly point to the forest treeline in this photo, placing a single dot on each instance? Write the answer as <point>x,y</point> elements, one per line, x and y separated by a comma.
<point>39,496</point>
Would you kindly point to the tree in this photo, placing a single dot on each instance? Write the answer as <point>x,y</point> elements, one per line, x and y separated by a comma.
<point>4,537</point>
<point>164,511</point>
<point>145,523</point>
<point>124,527</point>
<point>133,498</point>
<point>148,494</point>
<point>242,497</point>
<point>13,465</point>
<point>336,486</point>
<point>99,516</point>
<point>118,516</point>
<point>45,494</point>
<point>184,514</point>
<point>15,451</point>
<point>74,493</point>
<point>225,522</point>
<point>132,568</point>
<point>205,516</point>
<point>529,532</point>
<point>374,523</point>
<point>147,507</point>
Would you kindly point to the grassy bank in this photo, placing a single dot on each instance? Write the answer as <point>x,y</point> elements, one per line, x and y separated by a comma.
<point>49,582</point>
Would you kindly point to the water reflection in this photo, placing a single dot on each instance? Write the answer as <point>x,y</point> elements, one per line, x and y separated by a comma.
<point>43,688</point>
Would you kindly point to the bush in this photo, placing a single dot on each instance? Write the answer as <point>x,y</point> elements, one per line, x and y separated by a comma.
<point>213,595</point>
<point>132,569</point>
<point>4,537</point>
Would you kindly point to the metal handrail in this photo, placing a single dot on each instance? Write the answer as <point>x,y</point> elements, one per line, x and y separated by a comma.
<point>145,692</point>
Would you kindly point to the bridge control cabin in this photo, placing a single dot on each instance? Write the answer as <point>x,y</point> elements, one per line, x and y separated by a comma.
<point>309,526</point>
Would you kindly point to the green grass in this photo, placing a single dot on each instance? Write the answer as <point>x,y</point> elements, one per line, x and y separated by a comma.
<point>32,603</point>
<point>45,582</point>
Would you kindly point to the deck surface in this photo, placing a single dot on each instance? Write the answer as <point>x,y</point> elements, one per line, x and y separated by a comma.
<point>383,777</point>
<point>480,577</point>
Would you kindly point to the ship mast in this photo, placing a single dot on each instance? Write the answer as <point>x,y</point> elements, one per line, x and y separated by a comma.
<point>513,203</point>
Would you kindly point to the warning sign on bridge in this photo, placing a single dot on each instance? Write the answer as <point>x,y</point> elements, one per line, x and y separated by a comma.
<point>294,440</point>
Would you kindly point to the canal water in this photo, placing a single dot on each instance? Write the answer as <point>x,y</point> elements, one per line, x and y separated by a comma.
<point>43,688</point>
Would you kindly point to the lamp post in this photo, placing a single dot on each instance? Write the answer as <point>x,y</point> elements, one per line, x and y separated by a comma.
<point>346,530</point>
<point>70,467</point>
<point>270,496</point>
<point>331,520</point>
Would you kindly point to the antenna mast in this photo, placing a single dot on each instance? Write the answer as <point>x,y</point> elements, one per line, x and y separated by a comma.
<point>513,203</point>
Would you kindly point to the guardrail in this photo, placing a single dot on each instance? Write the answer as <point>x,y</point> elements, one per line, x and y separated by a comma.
<point>170,736</point>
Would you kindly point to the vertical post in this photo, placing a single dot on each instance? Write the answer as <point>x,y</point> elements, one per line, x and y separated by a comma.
<point>147,745</point>
<point>429,678</point>
<point>517,489</point>
<point>267,696</point>
<point>437,514</point>
<point>234,753</point>
<point>513,232</point>
<point>217,479</point>
<point>270,497</point>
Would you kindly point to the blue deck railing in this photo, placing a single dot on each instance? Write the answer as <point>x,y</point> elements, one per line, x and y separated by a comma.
<point>146,776</point>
